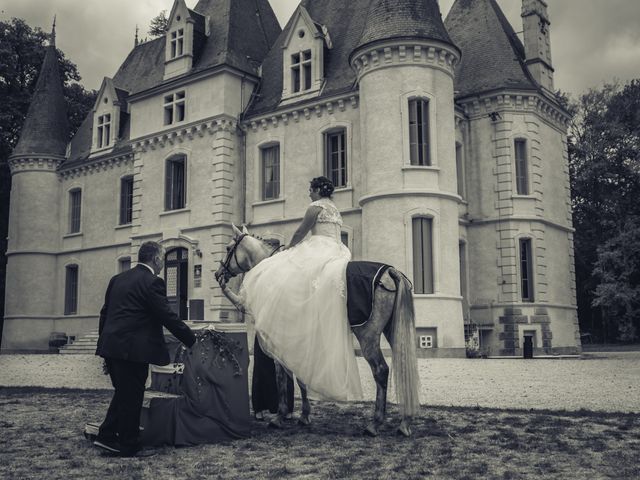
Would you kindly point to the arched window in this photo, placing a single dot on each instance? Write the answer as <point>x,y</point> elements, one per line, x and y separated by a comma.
<point>176,183</point>
<point>422,233</point>
<point>71,290</point>
<point>75,210</point>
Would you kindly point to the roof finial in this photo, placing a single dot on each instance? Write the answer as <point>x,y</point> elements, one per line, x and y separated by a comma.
<point>135,43</point>
<point>52,38</point>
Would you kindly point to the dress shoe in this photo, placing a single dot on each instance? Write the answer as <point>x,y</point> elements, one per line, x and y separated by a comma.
<point>144,452</point>
<point>108,446</point>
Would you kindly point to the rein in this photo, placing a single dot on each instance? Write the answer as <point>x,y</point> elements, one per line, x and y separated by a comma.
<point>232,255</point>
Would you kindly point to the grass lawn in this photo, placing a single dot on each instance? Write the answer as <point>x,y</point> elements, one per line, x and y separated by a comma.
<point>41,438</point>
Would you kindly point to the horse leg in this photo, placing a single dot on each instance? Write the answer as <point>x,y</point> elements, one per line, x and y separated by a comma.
<point>283,409</point>
<point>370,345</point>
<point>306,406</point>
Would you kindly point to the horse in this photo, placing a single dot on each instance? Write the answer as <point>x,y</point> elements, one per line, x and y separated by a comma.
<point>392,316</point>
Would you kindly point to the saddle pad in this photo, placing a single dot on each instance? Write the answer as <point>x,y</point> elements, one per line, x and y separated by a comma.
<point>362,279</point>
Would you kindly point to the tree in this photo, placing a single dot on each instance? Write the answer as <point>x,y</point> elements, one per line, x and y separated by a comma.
<point>22,51</point>
<point>605,184</point>
<point>159,24</point>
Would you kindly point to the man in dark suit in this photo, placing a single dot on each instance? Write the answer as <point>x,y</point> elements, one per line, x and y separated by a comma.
<point>131,337</point>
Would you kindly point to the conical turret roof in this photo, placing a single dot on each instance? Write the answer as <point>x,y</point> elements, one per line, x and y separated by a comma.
<point>492,54</point>
<point>393,19</point>
<point>46,130</point>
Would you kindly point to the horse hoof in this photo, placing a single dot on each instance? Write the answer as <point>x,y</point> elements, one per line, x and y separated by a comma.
<point>304,421</point>
<point>404,430</point>
<point>276,423</point>
<point>371,431</point>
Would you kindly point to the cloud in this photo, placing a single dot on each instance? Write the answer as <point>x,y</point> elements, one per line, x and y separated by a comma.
<point>592,41</point>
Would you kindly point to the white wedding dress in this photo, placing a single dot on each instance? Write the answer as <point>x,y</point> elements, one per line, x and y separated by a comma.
<point>298,301</point>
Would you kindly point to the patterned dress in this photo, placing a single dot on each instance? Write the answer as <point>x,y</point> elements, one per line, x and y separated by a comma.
<point>298,301</point>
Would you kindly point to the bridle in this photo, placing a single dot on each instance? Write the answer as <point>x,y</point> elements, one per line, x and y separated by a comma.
<point>232,255</point>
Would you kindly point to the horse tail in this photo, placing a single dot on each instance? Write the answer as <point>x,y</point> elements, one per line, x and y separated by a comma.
<point>403,346</point>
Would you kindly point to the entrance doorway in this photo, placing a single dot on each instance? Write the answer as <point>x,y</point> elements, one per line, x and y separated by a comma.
<point>176,276</point>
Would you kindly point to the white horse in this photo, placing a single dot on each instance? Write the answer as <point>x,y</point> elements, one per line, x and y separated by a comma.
<point>392,315</point>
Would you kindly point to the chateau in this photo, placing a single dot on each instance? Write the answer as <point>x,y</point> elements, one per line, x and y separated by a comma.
<point>444,139</point>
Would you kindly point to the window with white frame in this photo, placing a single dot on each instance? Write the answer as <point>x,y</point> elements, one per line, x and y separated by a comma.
<point>419,132</point>
<point>422,233</point>
<point>526,270</point>
<point>176,183</point>
<point>270,158</point>
<point>75,210</point>
<point>103,134</point>
<point>301,71</point>
<point>71,290</point>
<point>336,157</point>
<point>521,164</point>
<point>174,108</point>
<point>126,200</point>
<point>177,43</point>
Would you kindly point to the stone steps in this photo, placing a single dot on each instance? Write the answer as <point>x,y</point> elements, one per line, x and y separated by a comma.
<point>85,345</point>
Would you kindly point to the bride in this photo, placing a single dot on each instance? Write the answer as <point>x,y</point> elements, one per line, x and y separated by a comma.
<point>298,301</point>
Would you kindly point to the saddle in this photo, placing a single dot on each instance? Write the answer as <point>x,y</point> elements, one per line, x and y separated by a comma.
<point>362,279</point>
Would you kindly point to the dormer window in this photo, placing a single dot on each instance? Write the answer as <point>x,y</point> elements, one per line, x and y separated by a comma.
<point>301,71</point>
<point>174,108</point>
<point>304,49</point>
<point>177,43</point>
<point>110,105</point>
<point>104,130</point>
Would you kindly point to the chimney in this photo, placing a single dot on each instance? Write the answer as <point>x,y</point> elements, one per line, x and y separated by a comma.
<point>537,45</point>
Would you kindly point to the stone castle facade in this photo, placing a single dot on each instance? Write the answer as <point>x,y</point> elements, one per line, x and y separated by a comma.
<point>445,141</point>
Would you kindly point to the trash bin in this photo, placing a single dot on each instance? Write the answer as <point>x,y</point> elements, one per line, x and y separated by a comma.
<point>527,348</point>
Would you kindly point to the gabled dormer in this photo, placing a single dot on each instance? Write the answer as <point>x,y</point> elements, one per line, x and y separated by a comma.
<point>303,53</point>
<point>186,31</point>
<point>108,111</point>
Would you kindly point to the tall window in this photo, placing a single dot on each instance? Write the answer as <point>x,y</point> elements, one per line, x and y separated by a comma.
<point>75,210</point>
<point>301,71</point>
<point>175,184</point>
<point>177,43</point>
<point>124,264</point>
<point>336,157</point>
<point>526,270</point>
<point>460,169</point>
<point>522,177</point>
<point>104,130</point>
<point>126,200</point>
<point>419,131</point>
<point>270,172</point>
<point>422,230</point>
<point>174,110</point>
<point>71,290</point>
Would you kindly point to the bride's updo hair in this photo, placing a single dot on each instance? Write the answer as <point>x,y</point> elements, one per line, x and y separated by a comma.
<point>323,185</point>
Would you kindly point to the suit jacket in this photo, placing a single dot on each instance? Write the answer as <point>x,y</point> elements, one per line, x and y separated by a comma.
<point>131,320</point>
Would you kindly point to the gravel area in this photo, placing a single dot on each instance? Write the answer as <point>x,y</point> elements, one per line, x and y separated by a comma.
<point>597,381</point>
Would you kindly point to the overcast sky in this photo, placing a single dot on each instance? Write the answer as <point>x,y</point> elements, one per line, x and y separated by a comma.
<point>592,41</point>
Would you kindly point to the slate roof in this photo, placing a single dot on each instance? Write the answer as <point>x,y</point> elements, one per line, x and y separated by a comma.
<point>350,23</point>
<point>389,19</point>
<point>345,22</point>
<point>242,32</point>
<point>492,54</point>
<point>45,130</point>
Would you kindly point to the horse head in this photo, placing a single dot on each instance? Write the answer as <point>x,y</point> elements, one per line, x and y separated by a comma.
<point>243,253</point>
